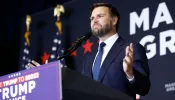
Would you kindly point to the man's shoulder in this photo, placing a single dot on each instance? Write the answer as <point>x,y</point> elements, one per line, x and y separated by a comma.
<point>135,43</point>
<point>127,42</point>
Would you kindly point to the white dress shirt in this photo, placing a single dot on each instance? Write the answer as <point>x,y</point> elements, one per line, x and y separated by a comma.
<point>109,43</point>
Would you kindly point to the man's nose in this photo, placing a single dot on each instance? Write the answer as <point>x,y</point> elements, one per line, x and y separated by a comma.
<point>95,20</point>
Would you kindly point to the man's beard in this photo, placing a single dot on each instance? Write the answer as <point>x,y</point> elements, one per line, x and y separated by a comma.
<point>103,30</point>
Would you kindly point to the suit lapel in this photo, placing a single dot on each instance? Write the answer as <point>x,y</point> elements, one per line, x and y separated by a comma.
<point>114,51</point>
<point>90,63</point>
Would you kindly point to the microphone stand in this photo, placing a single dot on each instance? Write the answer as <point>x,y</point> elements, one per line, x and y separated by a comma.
<point>77,43</point>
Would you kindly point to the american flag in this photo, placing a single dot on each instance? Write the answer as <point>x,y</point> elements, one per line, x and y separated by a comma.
<point>26,46</point>
<point>57,49</point>
<point>25,57</point>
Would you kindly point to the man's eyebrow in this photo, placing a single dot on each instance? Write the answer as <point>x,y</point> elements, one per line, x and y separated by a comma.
<point>98,15</point>
<point>91,17</point>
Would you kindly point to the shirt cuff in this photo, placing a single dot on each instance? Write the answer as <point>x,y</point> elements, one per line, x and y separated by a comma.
<point>131,79</point>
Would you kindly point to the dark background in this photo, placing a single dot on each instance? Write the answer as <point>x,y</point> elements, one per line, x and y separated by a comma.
<point>11,13</point>
<point>77,23</point>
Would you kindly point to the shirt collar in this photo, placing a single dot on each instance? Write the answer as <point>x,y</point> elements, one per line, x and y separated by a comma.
<point>111,40</point>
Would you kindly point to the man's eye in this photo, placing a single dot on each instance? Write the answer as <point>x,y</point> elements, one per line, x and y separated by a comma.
<point>101,15</point>
<point>91,18</point>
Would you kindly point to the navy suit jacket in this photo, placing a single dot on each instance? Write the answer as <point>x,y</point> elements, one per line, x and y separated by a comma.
<point>112,74</point>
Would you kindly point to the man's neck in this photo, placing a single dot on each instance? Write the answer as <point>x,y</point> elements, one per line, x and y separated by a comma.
<point>103,38</point>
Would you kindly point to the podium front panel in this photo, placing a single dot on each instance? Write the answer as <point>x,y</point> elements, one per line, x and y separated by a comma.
<point>40,83</point>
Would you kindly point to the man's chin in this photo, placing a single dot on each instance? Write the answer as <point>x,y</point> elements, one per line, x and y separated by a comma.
<point>96,34</point>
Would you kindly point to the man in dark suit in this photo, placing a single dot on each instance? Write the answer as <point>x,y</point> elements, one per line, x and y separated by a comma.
<point>118,63</point>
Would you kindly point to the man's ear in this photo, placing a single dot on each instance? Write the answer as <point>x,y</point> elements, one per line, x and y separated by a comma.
<point>114,20</point>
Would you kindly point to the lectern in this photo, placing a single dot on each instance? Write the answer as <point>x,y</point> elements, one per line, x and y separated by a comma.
<point>79,87</point>
<point>51,82</point>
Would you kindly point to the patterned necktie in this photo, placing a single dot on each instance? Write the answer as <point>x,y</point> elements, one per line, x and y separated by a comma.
<point>97,63</point>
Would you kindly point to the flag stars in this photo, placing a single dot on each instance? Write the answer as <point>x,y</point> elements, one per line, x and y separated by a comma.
<point>25,44</point>
<point>27,67</point>
<point>59,41</point>
<point>55,40</point>
<point>23,57</point>
<point>26,51</point>
<point>54,48</point>
<point>62,51</point>
<point>29,60</point>
<point>57,33</point>
<point>52,56</point>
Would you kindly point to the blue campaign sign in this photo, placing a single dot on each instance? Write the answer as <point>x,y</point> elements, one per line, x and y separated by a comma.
<point>40,83</point>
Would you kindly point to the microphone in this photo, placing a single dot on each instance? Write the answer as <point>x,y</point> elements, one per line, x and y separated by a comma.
<point>80,40</point>
<point>76,44</point>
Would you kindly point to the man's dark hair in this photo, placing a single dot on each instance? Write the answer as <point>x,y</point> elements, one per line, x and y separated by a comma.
<point>113,11</point>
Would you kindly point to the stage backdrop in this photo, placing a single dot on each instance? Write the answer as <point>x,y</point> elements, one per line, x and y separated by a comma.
<point>150,22</point>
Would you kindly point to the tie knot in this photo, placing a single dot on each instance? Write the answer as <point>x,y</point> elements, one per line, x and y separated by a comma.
<point>102,44</point>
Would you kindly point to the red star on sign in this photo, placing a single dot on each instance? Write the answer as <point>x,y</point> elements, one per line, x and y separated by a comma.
<point>87,46</point>
<point>45,57</point>
<point>73,53</point>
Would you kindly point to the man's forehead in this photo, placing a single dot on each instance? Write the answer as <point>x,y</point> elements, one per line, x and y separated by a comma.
<point>99,10</point>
